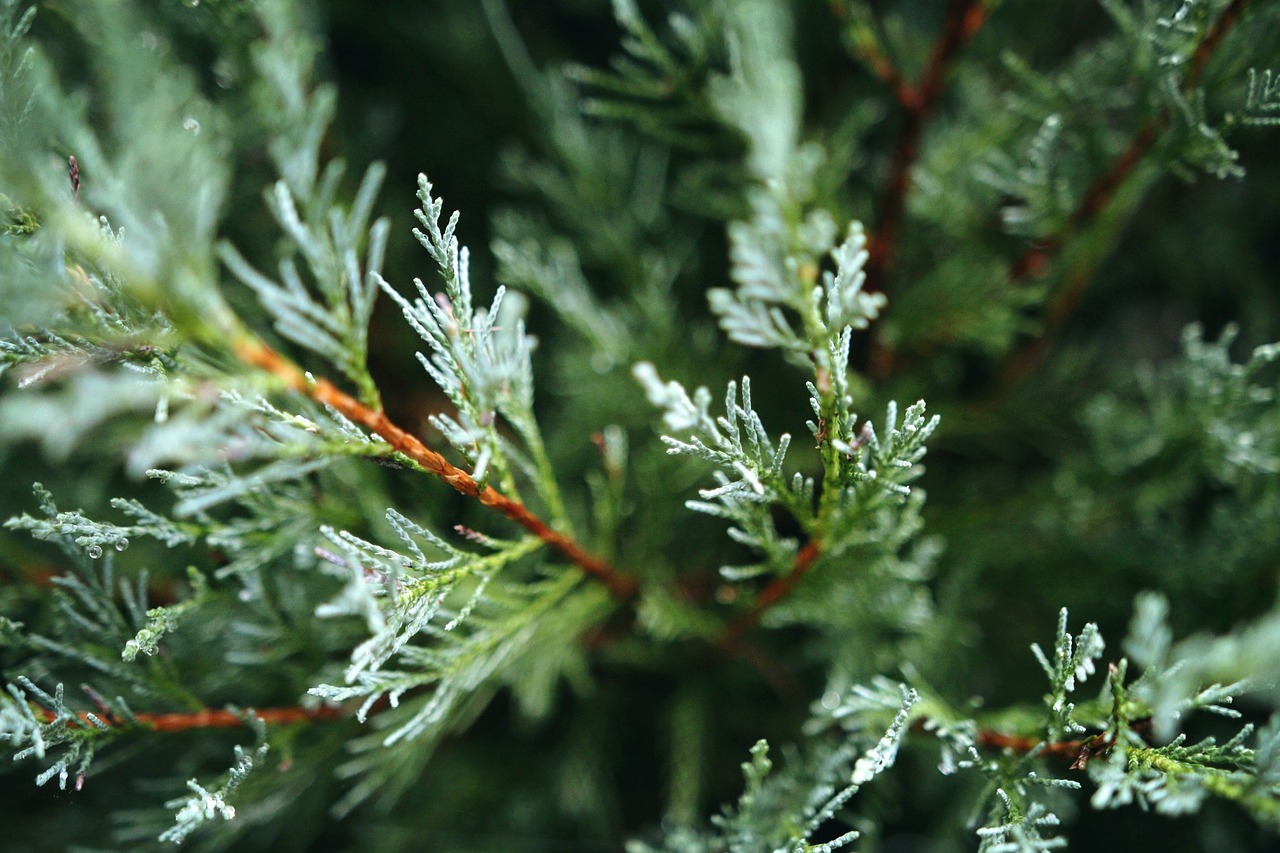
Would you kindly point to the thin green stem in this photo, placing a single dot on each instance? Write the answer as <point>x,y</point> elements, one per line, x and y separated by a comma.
<point>502,466</point>
<point>548,486</point>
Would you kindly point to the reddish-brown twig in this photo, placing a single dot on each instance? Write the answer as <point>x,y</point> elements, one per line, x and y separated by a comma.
<point>778,589</point>
<point>260,355</point>
<point>1035,261</point>
<point>963,20</point>
<point>210,718</point>
<point>1213,39</point>
<point>881,65</point>
<point>1078,751</point>
<point>905,94</point>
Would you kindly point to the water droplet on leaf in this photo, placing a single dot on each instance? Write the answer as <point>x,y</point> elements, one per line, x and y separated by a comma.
<point>95,552</point>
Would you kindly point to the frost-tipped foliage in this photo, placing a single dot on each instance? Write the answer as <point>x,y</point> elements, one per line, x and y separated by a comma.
<point>480,358</point>
<point>494,607</point>
<point>400,594</point>
<point>93,535</point>
<point>35,727</point>
<point>205,805</point>
<point>1031,831</point>
<point>330,242</point>
<point>775,266</point>
<point>1263,98</point>
<point>1072,660</point>
<point>786,809</point>
<point>865,473</point>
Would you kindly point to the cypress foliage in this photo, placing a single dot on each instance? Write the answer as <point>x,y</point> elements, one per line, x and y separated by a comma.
<point>594,517</point>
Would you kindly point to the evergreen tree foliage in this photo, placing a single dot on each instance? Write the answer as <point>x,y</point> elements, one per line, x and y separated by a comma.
<point>270,586</point>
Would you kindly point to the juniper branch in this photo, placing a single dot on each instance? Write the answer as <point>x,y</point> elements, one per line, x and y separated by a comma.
<point>1076,750</point>
<point>1035,260</point>
<point>214,718</point>
<point>963,20</point>
<point>258,354</point>
<point>878,61</point>
<point>777,589</point>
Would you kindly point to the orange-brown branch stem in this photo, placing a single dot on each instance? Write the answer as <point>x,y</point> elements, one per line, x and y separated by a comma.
<point>1034,261</point>
<point>963,20</point>
<point>321,390</point>
<point>1077,751</point>
<point>210,718</point>
<point>778,589</point>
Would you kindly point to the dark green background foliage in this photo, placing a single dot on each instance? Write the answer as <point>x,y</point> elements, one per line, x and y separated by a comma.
<point>1096,350</point>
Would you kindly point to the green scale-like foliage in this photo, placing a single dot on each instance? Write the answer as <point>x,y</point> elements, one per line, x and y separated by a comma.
<point>554,593</point>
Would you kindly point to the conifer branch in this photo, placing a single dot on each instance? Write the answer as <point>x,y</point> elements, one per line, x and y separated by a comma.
<point>213,718</point>
<point>1077,751</point>
<point>1225,23</point>
<point>1035,260</point>
<point>118,345</point>
<point>878,61</point>
<point>963,20</point>
<point>323,391</point>
<point>777,589</point>
<point>884,69</point>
